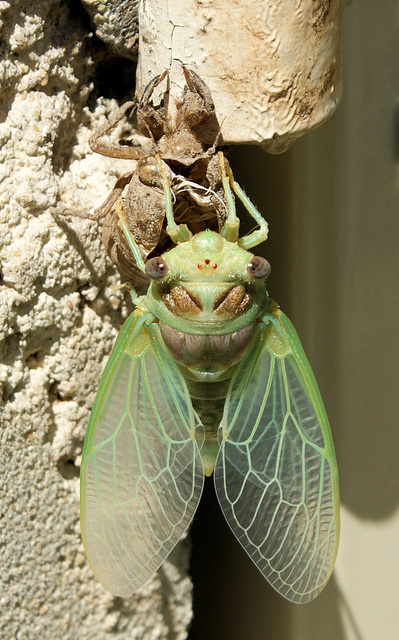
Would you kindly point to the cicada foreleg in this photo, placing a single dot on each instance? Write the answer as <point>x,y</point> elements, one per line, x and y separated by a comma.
<point>114,150</point>
<point>259,235</point>
<point>230,230</point>
<point>134,247</point>
<point>177,232</point>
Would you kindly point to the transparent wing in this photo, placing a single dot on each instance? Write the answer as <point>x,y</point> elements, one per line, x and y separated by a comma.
<point>276,475</point>
<point>141,474</point>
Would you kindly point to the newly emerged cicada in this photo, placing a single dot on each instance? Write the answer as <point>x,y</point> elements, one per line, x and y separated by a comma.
<point>208,376</point>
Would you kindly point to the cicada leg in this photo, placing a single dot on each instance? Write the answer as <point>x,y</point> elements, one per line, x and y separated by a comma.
<point>114,150</point>
<point>231,227</point>
<point>259,235</point>
<point>129,237</point>
<point>177,232</point>
<point>149,89</point>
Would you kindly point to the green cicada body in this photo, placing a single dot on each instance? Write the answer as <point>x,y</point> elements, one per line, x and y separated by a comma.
<point>208,376</point>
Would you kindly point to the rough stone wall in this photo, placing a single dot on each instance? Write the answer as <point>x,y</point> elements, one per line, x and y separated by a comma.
<point>59,317</point>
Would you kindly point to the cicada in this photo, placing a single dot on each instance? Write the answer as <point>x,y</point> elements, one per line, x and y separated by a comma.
<point>208,376</point>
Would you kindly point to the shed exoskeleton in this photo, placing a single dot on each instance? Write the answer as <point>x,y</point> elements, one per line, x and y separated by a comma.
<point>183,143</point>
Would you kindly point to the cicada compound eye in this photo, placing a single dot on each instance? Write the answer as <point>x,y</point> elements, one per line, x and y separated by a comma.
<point>259,267</point>
<point>156,268</point>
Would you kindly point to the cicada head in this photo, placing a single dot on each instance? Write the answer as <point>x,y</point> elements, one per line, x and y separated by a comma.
<point>207,285</point>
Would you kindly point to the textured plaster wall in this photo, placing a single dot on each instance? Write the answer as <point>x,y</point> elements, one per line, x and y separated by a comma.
<point>59,317</point>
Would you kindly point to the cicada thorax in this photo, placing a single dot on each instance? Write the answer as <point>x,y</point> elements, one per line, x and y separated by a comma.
<point>207,295</point>
<point>207,355</point>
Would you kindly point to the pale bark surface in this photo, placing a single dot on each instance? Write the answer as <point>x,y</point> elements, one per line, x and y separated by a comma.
<point>273,67</point>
